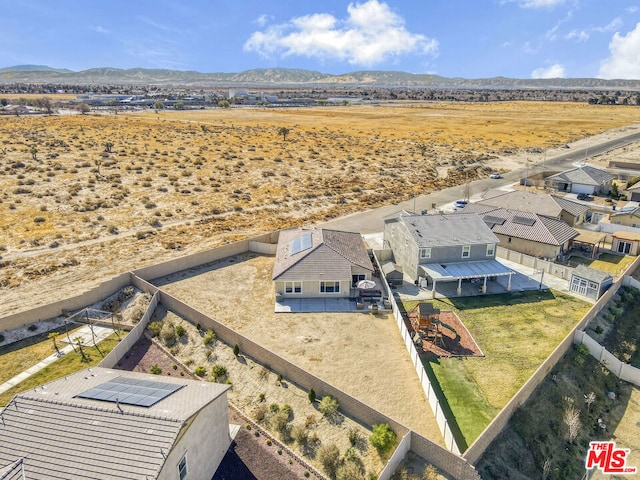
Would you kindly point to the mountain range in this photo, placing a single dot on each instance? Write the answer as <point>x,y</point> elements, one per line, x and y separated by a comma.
<point>283,77</point>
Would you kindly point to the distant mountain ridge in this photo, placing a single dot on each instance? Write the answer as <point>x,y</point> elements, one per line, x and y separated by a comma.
<point>275,77</point>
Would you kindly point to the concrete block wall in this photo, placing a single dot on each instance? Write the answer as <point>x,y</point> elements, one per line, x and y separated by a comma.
<point>442,459</point>
<point>115,355</point>
<point>55,309</point>
<point>396,458</point>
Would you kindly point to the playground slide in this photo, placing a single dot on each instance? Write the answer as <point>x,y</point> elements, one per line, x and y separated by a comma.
<point>449,327</point>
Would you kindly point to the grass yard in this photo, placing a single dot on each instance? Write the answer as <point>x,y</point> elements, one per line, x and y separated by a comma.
<point>516,332</point>
<point>19,356</point>
<point>66,365</point>
<point>609,263</point>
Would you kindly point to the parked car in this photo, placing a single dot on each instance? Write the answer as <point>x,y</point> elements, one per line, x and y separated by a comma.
<point>460,204</point>
<point>495,175</point>
<point>583,196</point>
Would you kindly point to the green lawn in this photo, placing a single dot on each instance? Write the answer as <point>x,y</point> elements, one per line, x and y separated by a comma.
<point>516,332</point>
<point>609,263</point>
<point>65,365</point>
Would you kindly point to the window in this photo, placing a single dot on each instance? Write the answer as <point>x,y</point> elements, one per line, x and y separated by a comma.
<point>329,287</point>
<point>292,287</point>
<point>491,248</point>
<point>466,251</point>
<point>182,468</point>
<point>356,278</point>
<point>425,253</point>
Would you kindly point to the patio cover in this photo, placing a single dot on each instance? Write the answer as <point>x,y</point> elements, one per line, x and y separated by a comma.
<point>462,270</point>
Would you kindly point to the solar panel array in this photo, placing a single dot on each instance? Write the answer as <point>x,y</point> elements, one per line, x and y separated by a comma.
<point>131,391</point>
<point>494,220</point>
<point>524,221</point>
<point>300,244</point>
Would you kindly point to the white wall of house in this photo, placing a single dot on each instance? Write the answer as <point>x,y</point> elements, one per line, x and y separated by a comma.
<point>311,288</point>
<point>580,188</point>
<point>204,441</point>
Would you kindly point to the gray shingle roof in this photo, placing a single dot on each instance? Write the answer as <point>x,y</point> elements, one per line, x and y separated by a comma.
<point>591,274</point>
<point>585,175</point>
<point>546,230</point>
<point>448,230</point>
<point>542,204</point>
<point>332,254</point>
<point>62,437</point>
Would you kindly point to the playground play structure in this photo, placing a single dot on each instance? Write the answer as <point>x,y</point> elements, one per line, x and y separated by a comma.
<point>429,329</point>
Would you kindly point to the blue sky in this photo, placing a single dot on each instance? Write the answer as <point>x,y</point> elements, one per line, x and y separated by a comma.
<point>452,38</point>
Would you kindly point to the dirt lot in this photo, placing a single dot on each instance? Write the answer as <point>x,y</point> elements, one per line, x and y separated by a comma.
<point>359,353</point>
<point>85,197</point>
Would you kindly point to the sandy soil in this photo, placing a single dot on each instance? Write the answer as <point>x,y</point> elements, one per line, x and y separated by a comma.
<point>359,353</point>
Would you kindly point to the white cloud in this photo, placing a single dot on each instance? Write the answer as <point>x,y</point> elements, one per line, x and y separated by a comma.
<point>624,56</point>
<point>536,3</point>
<point>262,20</point>
<point>612,26</point>
<point>554,71</point>
<point>578,36</point>
<point>371,34</point>
<point>99,29</point>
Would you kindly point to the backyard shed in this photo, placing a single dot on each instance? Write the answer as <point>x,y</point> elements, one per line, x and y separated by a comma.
<point>589,282</point>
<point>626,243</point>
<point>393,273</point>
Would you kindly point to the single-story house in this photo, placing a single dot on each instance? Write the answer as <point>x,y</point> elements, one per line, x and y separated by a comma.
<point>526,232</point>
<point>585,179</point>
<point>588,282</point>
<point>572,213</point>
<point>633,192</point>
<point>109,424</point>
<point>319,263</point>
<point>629,217</point>
<point>626,243</point>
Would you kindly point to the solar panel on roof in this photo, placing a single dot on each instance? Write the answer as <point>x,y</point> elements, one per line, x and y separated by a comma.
<point>131,391</point>
<point>300,244</point>
<point>494,220</point>
<point>524,221</point>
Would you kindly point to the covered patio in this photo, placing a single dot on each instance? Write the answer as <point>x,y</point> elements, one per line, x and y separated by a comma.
<point>587,243</point>
<point>477,273</point>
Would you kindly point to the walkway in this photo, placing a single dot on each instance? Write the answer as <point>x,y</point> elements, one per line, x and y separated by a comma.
<point>86,338</point>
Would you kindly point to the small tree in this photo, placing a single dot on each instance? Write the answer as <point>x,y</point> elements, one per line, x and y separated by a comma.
<point>218,371</point>
<point>284,131</point>
<point>328,406</point>
<point>571,419</point>
<point>329,458</point>
<point>236,350</point>
<point>180,331</point>
<point>34,152</point>
<point>209,337</point>
<point>382,438</point>
<point>158,106</point>
<point>108,146</point>
<point>589,399</point>
<point>312,395</point>
<point>614,190</point>
<point>53,336</point>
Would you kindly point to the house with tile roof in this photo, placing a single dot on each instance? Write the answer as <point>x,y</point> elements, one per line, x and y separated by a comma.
<point>572,213</point>
<point>629,217</point>
<point>101,423</point>
<point>322,263</point>
<point>526,232</point>
<point>444,248</point>
<point>633,192</point>
<point>585,179</point>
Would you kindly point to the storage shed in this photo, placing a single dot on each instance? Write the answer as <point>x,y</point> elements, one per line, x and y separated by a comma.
<point>393,273</point>
<point>589,283</point>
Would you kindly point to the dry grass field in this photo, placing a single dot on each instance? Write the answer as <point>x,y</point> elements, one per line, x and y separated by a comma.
<point>84,197</point>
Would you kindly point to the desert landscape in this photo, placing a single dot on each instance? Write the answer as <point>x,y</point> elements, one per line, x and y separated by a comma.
<point>85,197</point>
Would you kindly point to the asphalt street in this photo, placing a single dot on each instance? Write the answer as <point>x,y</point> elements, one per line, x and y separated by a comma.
<point>371,221</point>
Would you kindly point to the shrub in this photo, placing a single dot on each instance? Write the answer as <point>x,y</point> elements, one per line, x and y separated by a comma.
<point>280,423</point>
<point>260,413</point>
<point>312,395</point>
<point>274,408</point>
<point>287,410</point>
<point>382,438</point>
<point>200,371</point>
<point>180,331</point>
<point>236,350</point>
<point>354,436</point>
<point>350,471</point>
<point>155,369</point>
<point>300,435</point>
<point>261,396</point>
<point>269,442</point>
<point>329,457</point>
<point>209,337</point>
<point>430,473</point>
<point>599,329</point>
<point>155,328</point>
<point>168,334</point>
<point>218,371</point>
<point>328,406</point>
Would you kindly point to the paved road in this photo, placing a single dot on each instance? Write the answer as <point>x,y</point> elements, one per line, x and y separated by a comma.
<point>371,220</point>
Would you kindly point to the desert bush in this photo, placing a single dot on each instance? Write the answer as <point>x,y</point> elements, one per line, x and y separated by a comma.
<point>168,334</point>
<point>155,328</point>
<point>300,435</point>
<point>430,473</point>
<point>236,350</point>
<point>280,423</point>
<point>155,369</point>
<point>287,410</point>
<point>180,331</point>
<point>312,395</point>
<point>209,337</point>
<point>328,406</point>
<point>218,371</point>
<point>259,413</point>
<point>274,408</point>
<point>350,471</point>
<point>354,436</point>
<point>382,438</point>
<point>200,371</point>
<point>329,457</point>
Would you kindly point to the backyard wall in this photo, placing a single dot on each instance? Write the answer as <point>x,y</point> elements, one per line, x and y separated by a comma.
<point>477,448</point>
<point>55,309</point>
<point>120,350</point>
<point>535,263</point>
<point>620,369</point>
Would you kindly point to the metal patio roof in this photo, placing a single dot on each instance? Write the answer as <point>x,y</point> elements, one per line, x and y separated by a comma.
<point>455,271</point>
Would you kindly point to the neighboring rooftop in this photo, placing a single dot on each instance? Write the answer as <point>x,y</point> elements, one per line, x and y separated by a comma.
<point>447,230</point>
<point>524,225</point>
<point>585,175</point>
<point>542,204</point>
<point>59,435</point>
<point>328,251</point>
